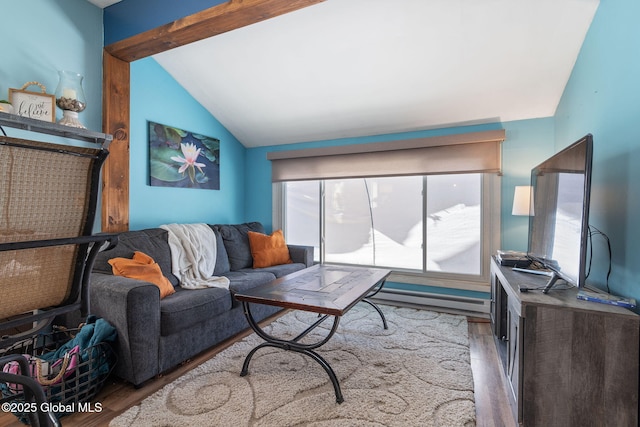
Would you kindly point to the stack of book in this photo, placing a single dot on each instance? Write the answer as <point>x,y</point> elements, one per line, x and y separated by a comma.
<point>513,259</point>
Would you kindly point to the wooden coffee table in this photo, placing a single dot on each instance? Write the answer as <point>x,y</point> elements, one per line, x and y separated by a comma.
<point>329,290</point>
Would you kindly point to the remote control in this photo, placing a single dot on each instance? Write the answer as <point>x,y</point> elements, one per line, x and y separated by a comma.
<point>539,272</point>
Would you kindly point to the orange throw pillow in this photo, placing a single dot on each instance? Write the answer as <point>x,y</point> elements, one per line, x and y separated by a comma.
<point>268,250</point>
<point>142,267</point>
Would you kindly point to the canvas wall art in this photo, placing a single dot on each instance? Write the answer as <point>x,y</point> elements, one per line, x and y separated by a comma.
<point>183,159</point>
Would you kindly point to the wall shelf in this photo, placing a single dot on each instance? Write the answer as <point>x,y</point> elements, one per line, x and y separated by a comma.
<point>26,123</point>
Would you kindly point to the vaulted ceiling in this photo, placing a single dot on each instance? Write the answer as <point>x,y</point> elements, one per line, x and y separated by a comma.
<point>346,68</point>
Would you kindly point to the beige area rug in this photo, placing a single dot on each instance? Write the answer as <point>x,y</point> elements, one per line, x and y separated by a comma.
<point>416,373</point>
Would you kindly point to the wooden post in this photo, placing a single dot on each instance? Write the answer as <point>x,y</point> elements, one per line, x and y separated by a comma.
<point>115,120</point>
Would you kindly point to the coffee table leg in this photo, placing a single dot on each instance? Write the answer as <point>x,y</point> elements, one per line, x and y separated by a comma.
<point>294,345</point>
<point>372,304</point>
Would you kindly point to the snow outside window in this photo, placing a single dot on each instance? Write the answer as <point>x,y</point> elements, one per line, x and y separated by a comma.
<point>414,223</point>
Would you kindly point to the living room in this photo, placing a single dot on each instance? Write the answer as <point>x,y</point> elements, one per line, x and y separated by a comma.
<point>600,97</point>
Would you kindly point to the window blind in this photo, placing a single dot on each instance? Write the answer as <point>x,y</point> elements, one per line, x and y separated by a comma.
<point>475,152</point>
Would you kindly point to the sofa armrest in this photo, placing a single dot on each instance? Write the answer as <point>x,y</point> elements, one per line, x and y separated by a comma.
<point>301,254</point>
<point>133,308</point>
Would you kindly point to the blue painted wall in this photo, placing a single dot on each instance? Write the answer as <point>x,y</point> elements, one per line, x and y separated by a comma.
<point>39,38</point>
<point>528,143</point>
<point>603,98</point>
<point>156,96</point>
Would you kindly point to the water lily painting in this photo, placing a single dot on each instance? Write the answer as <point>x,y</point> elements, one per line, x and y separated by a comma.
<point>179,158</point>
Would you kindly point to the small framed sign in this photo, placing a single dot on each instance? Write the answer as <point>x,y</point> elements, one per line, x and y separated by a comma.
<point>40,106</point>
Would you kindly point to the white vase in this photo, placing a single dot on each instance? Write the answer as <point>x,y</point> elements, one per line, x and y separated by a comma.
<point>70,98</point>
<point>70,118</point>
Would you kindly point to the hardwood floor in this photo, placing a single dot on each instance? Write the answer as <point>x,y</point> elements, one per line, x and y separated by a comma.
<point>492,409</point>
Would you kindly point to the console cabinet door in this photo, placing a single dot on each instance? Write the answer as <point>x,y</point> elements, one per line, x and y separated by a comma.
<point>513,354</point>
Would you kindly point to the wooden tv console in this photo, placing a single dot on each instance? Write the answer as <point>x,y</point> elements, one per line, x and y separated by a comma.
<point>567,362</point>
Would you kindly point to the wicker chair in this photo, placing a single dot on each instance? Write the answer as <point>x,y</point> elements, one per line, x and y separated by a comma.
<point>48,197</point>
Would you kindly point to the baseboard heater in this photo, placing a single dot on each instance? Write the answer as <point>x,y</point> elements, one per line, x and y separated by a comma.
<point>474,306</point>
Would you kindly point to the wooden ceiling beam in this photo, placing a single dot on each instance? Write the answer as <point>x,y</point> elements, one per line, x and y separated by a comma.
<point>202,25</point>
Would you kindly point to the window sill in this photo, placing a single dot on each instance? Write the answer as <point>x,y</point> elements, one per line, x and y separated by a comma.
<point>458,282</point>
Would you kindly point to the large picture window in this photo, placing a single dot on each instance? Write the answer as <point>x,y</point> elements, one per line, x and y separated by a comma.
<point>426,208</point>
<point>420,224</point>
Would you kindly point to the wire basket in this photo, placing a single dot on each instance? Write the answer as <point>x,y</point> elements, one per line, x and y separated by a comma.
<point>79,386</point>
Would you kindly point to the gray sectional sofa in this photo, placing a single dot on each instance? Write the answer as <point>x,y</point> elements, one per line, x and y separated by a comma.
<point>156,334</point>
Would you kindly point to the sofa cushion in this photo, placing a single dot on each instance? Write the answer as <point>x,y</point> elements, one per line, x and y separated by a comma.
<point>278,270</point>
<point>242,280</point>
<point>142,267</point>
<point>152,241</point>
<point>236,242</point>
<point>188,307</point>
<point>222,259</point>
<point>268,250</point>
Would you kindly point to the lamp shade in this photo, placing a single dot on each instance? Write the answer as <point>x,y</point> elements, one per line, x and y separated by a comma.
<point>523,201</point>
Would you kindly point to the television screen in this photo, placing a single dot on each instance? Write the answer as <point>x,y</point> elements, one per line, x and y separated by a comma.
<point>558,229</point>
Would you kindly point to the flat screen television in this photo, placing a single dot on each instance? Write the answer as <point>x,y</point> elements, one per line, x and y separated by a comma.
<point>559,226</point>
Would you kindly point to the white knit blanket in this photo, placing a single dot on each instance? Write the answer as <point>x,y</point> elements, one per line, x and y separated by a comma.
<point>193,256</point>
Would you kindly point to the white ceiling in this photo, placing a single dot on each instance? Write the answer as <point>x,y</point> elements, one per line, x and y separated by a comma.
<point>103,3</point>
<point>347,68</point>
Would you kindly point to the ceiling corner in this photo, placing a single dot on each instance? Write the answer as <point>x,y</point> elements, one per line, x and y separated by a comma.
<point>103,3</point>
